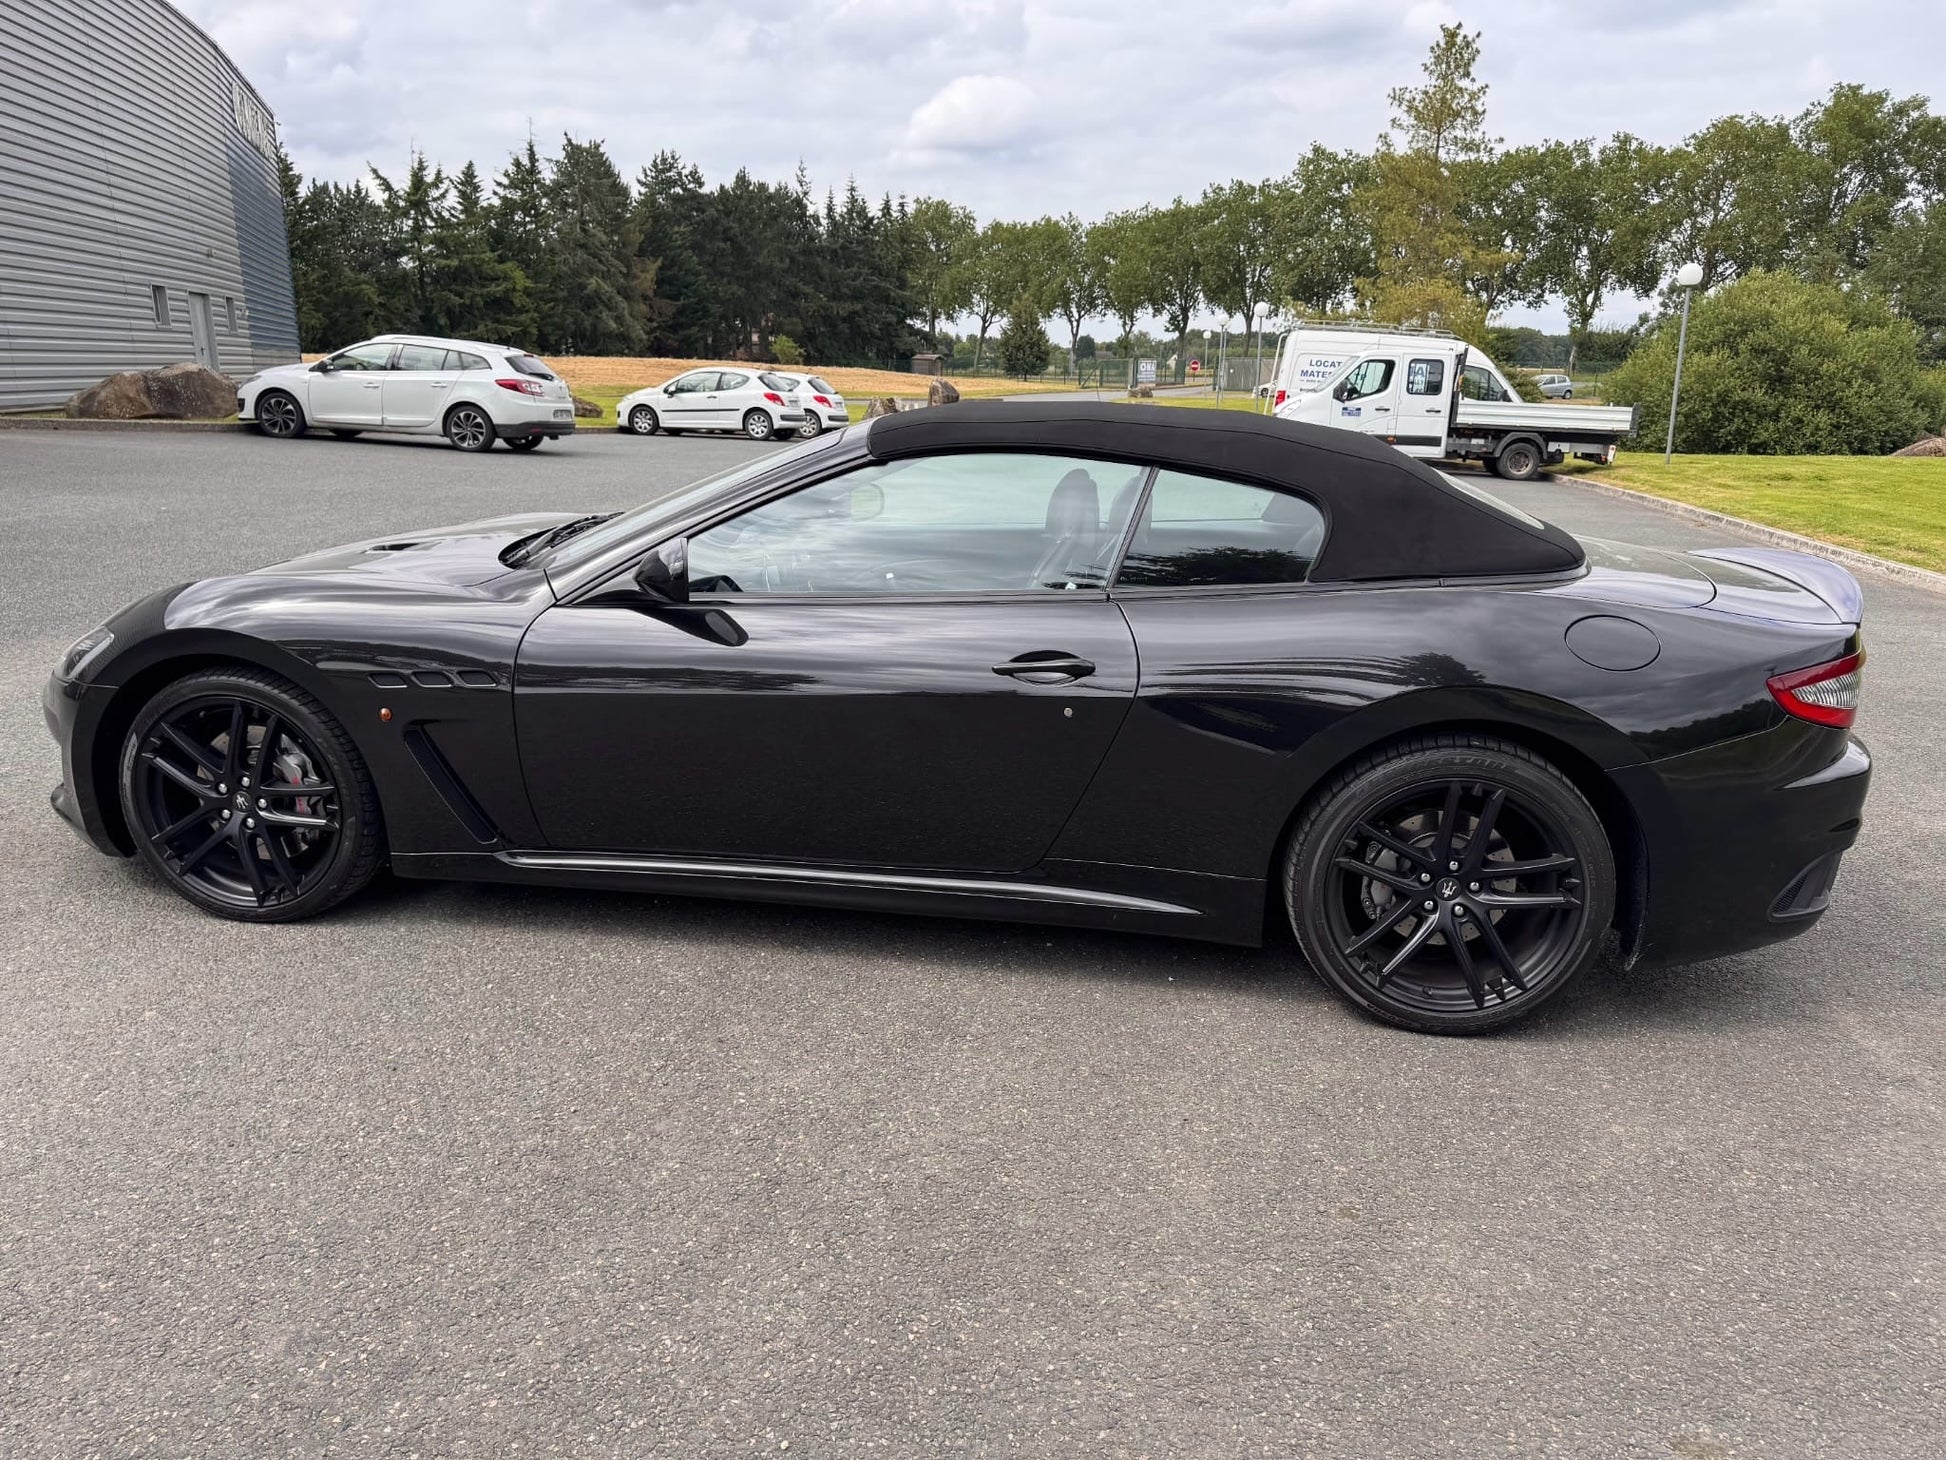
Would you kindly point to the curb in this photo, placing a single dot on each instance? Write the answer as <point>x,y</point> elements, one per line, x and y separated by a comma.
<point>65,423</point>
<point>1775,536</point>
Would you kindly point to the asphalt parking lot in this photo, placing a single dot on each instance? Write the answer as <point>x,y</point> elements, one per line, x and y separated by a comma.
<point>464,1171</point>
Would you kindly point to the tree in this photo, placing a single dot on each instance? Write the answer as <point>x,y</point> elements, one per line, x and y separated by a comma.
<point>415,212</point>
<point>589,305</point>
<point>1729,199</point>
<point>1076,291</point>
<point>1598,224</point>
<point>1118,253</point>
<point>1780,365</point>
<point>1174,253</point>
<point>1328,244</point>
<point>938,233</point>
<point>1024,346</point>
<point>669,204</point>
<point>1246,235</point>
<point>989,277</point>
<point>1502,210</point>
<point>1909,268</point>
<point>1861,157</point>
<point>476,294</point>
<point>521,225</point>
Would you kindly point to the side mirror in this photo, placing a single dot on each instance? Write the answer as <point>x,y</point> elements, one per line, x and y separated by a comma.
<point>669,389</point>
<point>664,574</point>
<point>1341,391</point>
<point>323,367</point>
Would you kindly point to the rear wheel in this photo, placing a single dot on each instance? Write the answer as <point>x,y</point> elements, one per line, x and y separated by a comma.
<point>279,415</point>
<point>1518,461</point>
<point>812,425</point>
<point>1567,395</point>
<point>470,428</point>
<point>758,426</point>
<point>642,421</point>
<point>248,798</point>
<point>524,443</point>
<point>1452,884</point>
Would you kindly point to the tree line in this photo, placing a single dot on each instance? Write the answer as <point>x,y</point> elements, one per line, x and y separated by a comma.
<point>1439,225</point>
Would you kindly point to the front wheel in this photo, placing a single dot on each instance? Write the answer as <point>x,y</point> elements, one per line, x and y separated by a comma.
<point>758,426</point>
<point>1452,884</point>
<point>1518,462</point>
<point>280,415</point>
<point>246,796</point>
<point>642,421</point>
<point>470,428</point>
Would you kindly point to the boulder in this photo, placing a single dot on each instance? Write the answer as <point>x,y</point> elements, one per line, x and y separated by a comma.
<point>1930,446</point>
<point>1142,392</point>
<point>185,392</point>
<point>585,407</point>
<point>941,393</point>
<point>883,406</point>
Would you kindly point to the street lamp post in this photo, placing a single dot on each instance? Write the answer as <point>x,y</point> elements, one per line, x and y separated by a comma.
<point>1259,315</point>
<point>1222,359</point>
<point>1687,278</point>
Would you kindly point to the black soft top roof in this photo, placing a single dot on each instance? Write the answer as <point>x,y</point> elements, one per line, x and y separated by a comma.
<point>1386,515</point>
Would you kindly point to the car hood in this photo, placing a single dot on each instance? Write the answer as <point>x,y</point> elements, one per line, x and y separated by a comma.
<point>280,372</point>
<point>449,557</point>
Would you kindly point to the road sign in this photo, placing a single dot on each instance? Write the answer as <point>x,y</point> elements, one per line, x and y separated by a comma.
<point>1145,370</point>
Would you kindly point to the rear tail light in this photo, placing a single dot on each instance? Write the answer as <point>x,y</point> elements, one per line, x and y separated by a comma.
<point>1824,694</point>
<point>773,397</point>
<point>1280,399</point>
<point>524,387</point>
<point>823,400</point>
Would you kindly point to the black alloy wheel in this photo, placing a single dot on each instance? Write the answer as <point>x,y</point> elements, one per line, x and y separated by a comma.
<point>248,798</point>
<point>758,426</point>
<point>279,415</point>
<point>469,427</point>
<point>642,421</point>
<point>1451,884</point>
<point>1518,462</point>
<point>524,443</point>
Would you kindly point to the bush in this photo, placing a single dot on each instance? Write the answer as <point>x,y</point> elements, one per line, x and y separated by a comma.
<point>1526,384</point>
<point>787,350</point>
<point>1778,366</point>
<point>1024,345</point>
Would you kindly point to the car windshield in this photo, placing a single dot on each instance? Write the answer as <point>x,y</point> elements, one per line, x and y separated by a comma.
<point>778,382</point>
<point>589,545</point>
<point>819,384</point>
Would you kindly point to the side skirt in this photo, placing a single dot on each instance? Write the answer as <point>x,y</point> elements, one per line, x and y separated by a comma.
<point>1072,894</point>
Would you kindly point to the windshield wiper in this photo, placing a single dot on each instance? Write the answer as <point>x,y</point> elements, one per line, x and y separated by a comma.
<point>524,549</point>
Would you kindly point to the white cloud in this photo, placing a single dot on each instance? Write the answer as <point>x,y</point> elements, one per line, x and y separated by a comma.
<point>973,114</point>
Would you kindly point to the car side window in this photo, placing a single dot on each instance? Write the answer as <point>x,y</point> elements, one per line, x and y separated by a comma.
<point>464,360</point>
<point>1477,383</point>
<point>778,382</point>
<point>964,523</point>
<point>1425,377</point>
<point>696,382</point>
<point>1368,377</point>
<point>730,380</point>
<point>1205,532</point>
<point>419,357</point>
<point>363,357</point>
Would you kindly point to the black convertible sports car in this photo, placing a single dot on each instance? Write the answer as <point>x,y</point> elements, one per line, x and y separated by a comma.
<point>1155,670</point>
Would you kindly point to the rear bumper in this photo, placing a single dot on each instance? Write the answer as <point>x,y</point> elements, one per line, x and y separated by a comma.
<point>516,430</point>
<point>1743,840</point>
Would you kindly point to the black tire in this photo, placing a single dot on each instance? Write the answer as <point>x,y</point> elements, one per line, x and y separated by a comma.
<point>470,428</point>
<point>643,421</point>
<point>524,443</point>
<point>1362,851</point>
<point>303,839</point>
<point>344,435</point>
<point>758,426</point>
<point>1518,461</point>
<point>1567,395</point>
<point>279,416</point>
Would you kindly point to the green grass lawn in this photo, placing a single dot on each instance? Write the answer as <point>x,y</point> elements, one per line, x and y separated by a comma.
<point>1892,506</point>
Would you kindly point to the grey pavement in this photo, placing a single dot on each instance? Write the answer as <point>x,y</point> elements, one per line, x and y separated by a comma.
<point>465,1171</point>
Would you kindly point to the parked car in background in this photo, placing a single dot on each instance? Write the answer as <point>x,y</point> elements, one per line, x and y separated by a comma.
<point>762,404</point>
<point>1555,387</point>
<point>824,408</point>
<point>471,393</point>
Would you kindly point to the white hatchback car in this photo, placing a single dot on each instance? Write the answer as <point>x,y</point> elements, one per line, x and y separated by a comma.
<point>760,403</point>
<point>824,408</point>
<point>470,393</point>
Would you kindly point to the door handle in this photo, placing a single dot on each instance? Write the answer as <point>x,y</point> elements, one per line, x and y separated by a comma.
<point>1045,668</point>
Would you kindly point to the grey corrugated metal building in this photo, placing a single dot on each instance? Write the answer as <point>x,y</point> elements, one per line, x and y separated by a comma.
<point>141,218</point>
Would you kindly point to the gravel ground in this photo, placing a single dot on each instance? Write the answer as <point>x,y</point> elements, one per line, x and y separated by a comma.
<point>463,1171</point>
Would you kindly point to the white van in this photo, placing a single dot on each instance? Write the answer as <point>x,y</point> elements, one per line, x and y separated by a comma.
<point>1310,356</point>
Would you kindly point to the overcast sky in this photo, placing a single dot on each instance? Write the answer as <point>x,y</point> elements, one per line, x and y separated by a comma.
<point>1021,107</point>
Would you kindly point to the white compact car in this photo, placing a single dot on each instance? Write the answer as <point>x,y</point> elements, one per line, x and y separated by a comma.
<point>760,403</point>
<point>470,393</point>
<point>824,408</point>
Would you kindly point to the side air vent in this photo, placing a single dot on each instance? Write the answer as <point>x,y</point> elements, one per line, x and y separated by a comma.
<point>451,789</point>
<point>1809,891</point>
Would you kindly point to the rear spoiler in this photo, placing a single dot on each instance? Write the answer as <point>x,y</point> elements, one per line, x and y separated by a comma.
<point>1821,576</point>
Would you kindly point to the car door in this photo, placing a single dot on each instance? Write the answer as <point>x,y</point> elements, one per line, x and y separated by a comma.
<point>862,675</point>
<point>347,389</point>
<point>1424,403</point>
<point>1368,396</point>
<point>688,400</point>
<point>736,392</point>
<point>418,386</point>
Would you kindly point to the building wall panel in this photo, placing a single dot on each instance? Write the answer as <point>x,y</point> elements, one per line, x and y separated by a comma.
<point>124,165</point>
